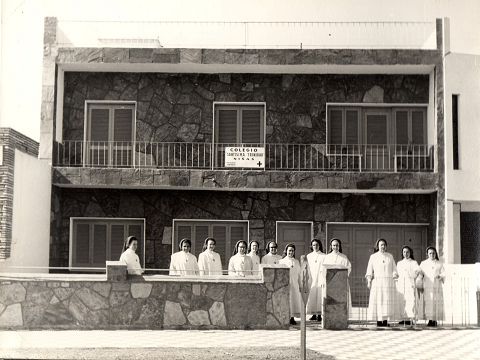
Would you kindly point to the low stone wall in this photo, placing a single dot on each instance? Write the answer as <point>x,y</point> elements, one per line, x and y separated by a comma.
<point>145,302</point>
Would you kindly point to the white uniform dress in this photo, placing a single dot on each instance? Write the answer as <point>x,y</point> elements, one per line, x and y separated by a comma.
<point>295,273</point>
<point>255,262</point>
<point>270,259</point>
<point>315,298</point>
<point>130,258</point>
<point>381,269</point>
<point>182,263</point>
<point>240,265</point>
<point>408,270</point>
<point>209,263</point>
<point>333,258</point>
<point>432,289</point>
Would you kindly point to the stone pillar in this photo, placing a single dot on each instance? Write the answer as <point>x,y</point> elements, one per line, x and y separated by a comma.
<point>116,271</point>
<point>335,301</point>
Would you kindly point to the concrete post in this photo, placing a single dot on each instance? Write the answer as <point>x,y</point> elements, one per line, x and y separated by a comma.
<point>335,302</point>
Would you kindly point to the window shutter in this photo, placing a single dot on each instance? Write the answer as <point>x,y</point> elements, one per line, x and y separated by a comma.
<point>227,127</point>
<point>137,231</point>
<point>376,129</point>
<point>99,124</point>
<point>418,131</point>
<point>99,244</point>
<point>122,124</point>
<point>201,233</point>
<point>220,236</point>
<point>351,124</point>
<point>251,127</point>
<point>336,127</point>
<point>116,241</point>
<point>401,120</point>
<point>183,231</point>
<point>82,244</point>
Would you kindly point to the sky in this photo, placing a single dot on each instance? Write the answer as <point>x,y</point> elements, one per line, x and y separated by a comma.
<point>22,31</point>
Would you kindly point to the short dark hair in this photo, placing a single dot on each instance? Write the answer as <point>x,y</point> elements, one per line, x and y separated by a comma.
<point>267,248</point>
<point>409,249</point>
<point>205,243</point>
<point>436,252</point>
<point>128,241</point>
<point>319,243</point>
<point>184,240</point>
<point>376,248</point>
<point>286,247</point>
<point>235,251</point>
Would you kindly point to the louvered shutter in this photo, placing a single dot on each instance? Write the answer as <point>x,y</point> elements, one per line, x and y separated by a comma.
<point>336,127</point>
<point>418,131</point>
<point>122,137</point>
<point>401,121</point>
<point>201,233</point>
<point>251,127</point>
<point>219,233</point>
<point>82,244</point>
<point>99,123</point>
<point>183,231</point>
<point>137,231</point>
<point>227,127</point>
<point>351,125</point>
<point>117,240</point>
<point>376,129</point>
<point>99,244</point>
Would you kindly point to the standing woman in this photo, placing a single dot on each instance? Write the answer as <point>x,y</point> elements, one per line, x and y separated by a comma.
<point>130,258</point>
<point>294,265</point>
<point>381,271</point>
<point>182,262</point>
<point>209,262</point>
<point>315,263</point>
<point>336,257</point>
<point>240,264</point>
<point>433,277</point>
<point>253,253</point>
<point>408,271</point>
<point>271,257</point>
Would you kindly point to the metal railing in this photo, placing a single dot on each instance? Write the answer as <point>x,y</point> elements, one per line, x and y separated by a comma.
<point>281,157</point>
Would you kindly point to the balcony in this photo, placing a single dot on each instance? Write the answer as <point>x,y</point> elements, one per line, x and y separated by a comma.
<point>391,158</point>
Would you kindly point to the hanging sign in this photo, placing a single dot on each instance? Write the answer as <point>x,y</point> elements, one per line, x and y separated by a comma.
<point>245,156</point>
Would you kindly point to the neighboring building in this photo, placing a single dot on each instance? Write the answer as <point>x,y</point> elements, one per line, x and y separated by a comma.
<point>24,204</point>
<point>138,137</point>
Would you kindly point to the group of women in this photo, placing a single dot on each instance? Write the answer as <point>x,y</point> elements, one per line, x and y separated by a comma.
<point>403,290</point>
<point>395,289</point>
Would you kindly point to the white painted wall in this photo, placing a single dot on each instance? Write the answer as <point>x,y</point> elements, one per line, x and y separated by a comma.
<point>31,215</point>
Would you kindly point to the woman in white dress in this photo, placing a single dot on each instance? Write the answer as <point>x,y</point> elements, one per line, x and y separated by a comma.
<point>336,257</point>
<point>408,271</point>
<point>295,271</point>
<point>381,272</point>
<point>182,262</point>
<point>433,277</point>
<point>315,263</point>
<point>240,264</point>
<point>271,257</point>
<point>253,253</point>
<point>130,258</point>
<point>209,261</point>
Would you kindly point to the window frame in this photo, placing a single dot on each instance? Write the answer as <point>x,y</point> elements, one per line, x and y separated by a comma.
<point>217,105</point>
<point>111,106</point>
<point>210,223</point>
<point>409,124</point>
<point>109,221</point>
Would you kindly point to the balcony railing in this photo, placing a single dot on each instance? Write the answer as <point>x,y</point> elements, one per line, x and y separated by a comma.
<point>281,157</point>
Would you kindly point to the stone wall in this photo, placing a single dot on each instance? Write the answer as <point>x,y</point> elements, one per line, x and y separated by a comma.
<point>161,207</point>
<point>178,107</point>
<point>10,140</point>
<point>145,303</point>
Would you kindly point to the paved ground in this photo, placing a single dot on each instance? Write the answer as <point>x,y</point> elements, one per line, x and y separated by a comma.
<point>360,343</point>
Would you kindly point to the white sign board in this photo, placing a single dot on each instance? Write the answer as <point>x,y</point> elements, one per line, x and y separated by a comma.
<point>245,156</point>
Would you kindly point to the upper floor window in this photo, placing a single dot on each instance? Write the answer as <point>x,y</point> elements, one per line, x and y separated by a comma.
<point>241,123</point>
<point>349,125</point>
<point>96,240</point>
<point>109,133</point>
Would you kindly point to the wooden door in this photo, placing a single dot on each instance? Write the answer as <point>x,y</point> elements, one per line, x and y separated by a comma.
<point>297,233</point>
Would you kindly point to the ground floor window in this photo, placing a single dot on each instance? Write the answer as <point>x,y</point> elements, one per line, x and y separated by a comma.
<point>226,234</point>
<point>96,240</point>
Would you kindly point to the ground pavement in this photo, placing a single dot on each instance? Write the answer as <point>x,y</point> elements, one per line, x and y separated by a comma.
<point>356,343</point>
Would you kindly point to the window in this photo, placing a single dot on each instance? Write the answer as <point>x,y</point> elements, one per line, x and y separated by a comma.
<point>94,241</point>
<point>226,234</point>
<point>344,125</point>
<point>239,123</point>
<point>109,133</point>
<point>456,159</point>
<point>410,126</point>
